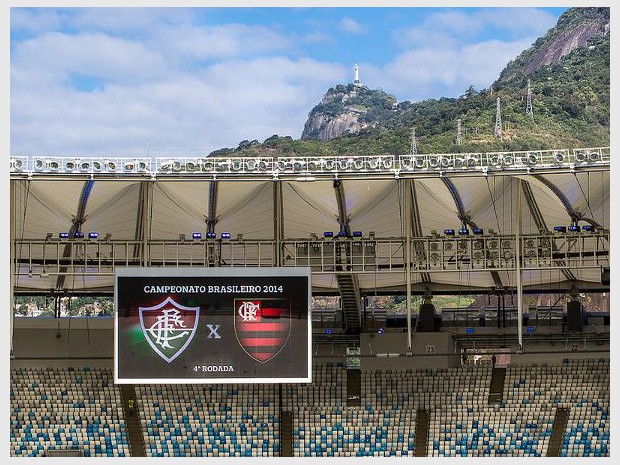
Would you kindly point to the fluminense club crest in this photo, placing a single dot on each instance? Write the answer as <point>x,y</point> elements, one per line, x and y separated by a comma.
<point>169,327</point>
<point>262,326</point>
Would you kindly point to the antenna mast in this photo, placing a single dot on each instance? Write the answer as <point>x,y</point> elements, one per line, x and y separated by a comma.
<point>498,120</point>
<point>529,111</point>
<point>414,146</point>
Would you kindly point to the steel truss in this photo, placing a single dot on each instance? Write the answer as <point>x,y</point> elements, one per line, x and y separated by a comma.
<point>86,257</point>
<point>313,167</point>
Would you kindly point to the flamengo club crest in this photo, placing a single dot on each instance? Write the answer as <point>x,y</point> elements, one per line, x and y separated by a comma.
<point>262,326</point>
<point>169,327</point>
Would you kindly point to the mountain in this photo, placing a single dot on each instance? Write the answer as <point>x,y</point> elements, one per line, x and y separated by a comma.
<point>568,70</point>
<point>347,110</point>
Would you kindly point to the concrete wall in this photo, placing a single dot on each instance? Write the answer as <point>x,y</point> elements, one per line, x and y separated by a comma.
<point>90,342</point>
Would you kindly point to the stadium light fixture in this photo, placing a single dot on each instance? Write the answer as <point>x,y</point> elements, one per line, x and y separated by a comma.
<point>211,235</point>
<point>357,233</point>
<point>63,235</point>
<point>448,232</point>
<point>225,235</point>
<point>478,231</point>
<point>559,229</point>
<point>463,232</point>
<point>587,228</point>
<point>196,235</point>
<point>93,235</point>
<point>574,228</point>
<point>328,234</point>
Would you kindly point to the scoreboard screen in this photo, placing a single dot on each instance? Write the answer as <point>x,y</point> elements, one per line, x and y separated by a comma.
<point>212,325</point>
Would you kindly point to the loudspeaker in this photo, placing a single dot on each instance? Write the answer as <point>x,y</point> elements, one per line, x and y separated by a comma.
<point>605,277</point>
<point>574,316</point>
<point>427,318</point>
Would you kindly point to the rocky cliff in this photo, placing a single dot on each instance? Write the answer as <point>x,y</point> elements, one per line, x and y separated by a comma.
<point>575,28</point>
<point>348,110</point>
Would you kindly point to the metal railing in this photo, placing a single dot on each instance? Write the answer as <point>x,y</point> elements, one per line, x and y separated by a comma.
<point>43,257</point>
<point>311,168</point>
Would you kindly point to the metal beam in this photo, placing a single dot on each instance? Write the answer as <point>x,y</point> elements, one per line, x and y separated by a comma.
<point>466,220</point>
<point>538,217</point>
<point>76,225</point>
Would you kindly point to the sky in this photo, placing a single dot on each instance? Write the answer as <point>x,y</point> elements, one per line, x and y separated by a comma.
<point>187,81</point>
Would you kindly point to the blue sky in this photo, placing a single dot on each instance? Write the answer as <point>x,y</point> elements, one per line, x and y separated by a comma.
<point>160,81</point>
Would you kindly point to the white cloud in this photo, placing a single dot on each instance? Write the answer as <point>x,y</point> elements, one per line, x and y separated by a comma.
<point>180,113</point>
<point>100,56</point>
<point>33,20</point>
<point>351,26</point>
<point>444,72</point>
<point>231,40</point>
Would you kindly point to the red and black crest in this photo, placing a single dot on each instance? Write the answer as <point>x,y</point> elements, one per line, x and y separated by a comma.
<point>262,326</point>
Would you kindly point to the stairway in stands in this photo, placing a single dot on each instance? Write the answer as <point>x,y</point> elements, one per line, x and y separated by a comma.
<point>422,425</point>
<point>354,387</point>
<point>286,434</point>
<point>496,390</point>
<point>557,433</point>
<point>132,421</point>
<point>351,301</point>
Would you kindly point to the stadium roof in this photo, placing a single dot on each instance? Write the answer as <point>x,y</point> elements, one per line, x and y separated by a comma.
<point>184,205</point>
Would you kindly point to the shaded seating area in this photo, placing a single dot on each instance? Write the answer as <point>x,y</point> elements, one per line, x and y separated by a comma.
<point>59,409</point>
<point>236,420</point>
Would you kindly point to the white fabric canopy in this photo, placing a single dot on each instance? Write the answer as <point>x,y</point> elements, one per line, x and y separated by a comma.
<point>247,207</point>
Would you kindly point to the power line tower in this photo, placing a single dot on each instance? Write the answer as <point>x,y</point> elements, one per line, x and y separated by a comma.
<point>414,146</point>
<point>529,111</point>
<point>459,136</point>
<point>498,120</point>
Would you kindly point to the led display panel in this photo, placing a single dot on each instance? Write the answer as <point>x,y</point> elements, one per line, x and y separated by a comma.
<point>212,325</point>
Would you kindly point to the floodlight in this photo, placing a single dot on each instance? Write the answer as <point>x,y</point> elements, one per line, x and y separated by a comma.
<point>70,165</point>
<point>97,165</point>
<point>328,234</point>
<point>587,228</point>
<point>357,233</point>
<point>196,235</point>
<point>471,162</point>
<point>558,157</point>
<point>433,162</point>
<point>478,231</point>
<point>463,232</point>
<point>419,162</point>
<point>84,166</point>
<point>559,229</point>
<point>448,232</point>
<point>63,235</point>
<point>225,235</point>
<point>211,235</point>
<point>93,235</point>
<point>594,156</point>
<point>574,228</point>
